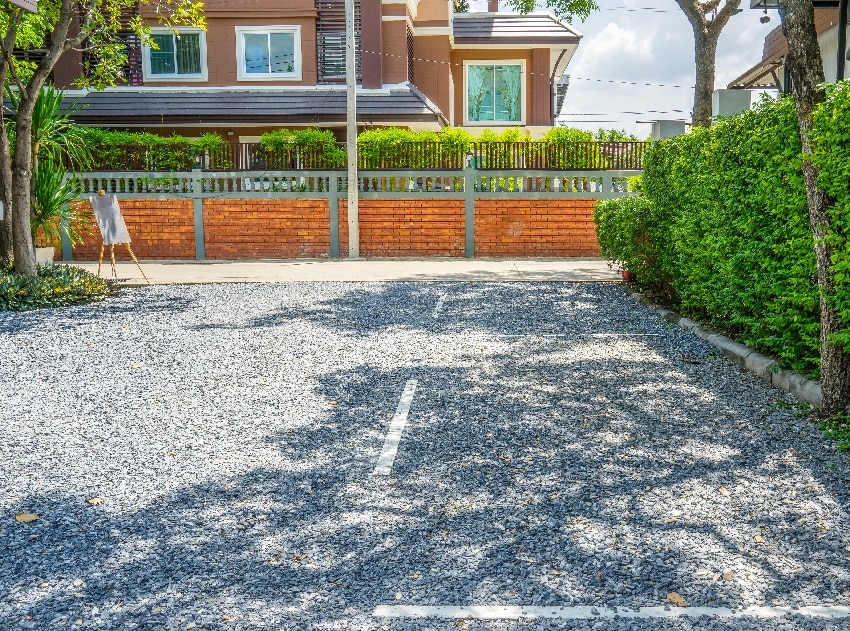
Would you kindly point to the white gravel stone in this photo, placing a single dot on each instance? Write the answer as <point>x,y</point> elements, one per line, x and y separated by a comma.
<point>231,432</point>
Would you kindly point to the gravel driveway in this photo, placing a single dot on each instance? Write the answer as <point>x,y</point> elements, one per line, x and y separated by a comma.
<point>203,457</point>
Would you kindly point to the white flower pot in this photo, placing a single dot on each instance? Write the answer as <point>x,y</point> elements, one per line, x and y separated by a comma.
<point>44,256</point>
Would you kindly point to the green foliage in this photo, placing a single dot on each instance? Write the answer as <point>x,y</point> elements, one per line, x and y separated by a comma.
<point>567,10</point>
<point>830,136</point>
<point>614,135</point>
<point>302,148</point>
<point>114,150</point>
<point>54,286</point>
<point>837,429</point>
<point>103,24</point>
<point>52,211</point>
<point>397,148</point>
<point>726,232</point>
<point>54,134</point>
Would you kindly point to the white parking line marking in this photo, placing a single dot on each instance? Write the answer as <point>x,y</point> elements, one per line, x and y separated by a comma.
<point>482,612</point>
<point>388,453</point>
<point>438,307</point>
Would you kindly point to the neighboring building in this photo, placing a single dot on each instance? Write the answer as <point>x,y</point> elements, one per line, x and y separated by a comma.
<point>261,66</point>
<point>769,73</point>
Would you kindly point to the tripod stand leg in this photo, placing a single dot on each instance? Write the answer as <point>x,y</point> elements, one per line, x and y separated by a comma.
<point>133,256</point>
<point>100,258</point>
<point>112,259</point>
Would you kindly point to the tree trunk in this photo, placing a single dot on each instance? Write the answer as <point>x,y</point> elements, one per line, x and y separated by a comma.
<point>706,33</point>
<point>24,248</point>
<point>806,69</point>
<point>705,58</point>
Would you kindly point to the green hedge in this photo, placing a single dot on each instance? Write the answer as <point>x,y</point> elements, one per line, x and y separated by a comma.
<point>53,286</point>
<point>723,232</point>
<point>142,151</point>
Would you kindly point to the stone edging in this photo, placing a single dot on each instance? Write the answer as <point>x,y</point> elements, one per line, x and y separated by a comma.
<point>746,358</point>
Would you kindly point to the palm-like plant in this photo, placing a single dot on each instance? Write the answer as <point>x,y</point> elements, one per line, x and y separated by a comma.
<point>58,144</point>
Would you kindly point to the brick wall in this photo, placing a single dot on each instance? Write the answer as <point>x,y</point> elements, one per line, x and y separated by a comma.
<point>407,227</point>
<point>544,227</point>
<point>159,229</point>
<point>293,228</point>
<point>266,228</point>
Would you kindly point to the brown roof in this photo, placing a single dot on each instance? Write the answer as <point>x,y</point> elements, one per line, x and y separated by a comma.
<point>508,28</point>
<point>133,107</point>
<point>765,73</point>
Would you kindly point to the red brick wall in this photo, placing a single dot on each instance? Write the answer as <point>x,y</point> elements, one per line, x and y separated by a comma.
<point>543,227</point>
<point>159,229</point>
<point>406,227</point>
<point>266,228</point>
<point>292,228</point>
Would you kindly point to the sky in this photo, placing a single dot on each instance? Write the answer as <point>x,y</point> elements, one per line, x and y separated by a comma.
<point>648,42</point>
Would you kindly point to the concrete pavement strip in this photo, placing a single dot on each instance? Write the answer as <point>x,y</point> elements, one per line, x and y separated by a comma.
<point>361,270</point>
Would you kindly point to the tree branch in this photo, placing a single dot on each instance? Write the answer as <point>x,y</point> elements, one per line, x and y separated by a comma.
<point>8,48</point>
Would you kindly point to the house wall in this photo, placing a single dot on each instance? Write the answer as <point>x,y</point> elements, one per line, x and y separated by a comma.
<point>432,69</point>
<point>458,76</point>
<point>222,62</point>
<point>294,228</point>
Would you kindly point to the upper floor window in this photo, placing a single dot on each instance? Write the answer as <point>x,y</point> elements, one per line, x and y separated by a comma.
<point>181,55</point>
<point>269,53</point>
<point>494,93</point>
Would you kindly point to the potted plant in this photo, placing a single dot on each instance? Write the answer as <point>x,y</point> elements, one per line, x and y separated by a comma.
<point>52,213</point>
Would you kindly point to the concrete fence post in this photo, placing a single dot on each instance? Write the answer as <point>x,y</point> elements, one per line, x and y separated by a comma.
<point>198,207</point>
<point>469,182</point>
<point>333,208</point>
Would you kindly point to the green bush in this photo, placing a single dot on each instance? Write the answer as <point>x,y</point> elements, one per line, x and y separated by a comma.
<point>54,286</point>
<point>142,151</point>
<point>723,233</point>
<point>830,136</point>
<point>302,149</point>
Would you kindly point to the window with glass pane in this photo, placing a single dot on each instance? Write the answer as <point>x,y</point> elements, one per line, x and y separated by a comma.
<point>269,53</point>
<point>494,93</point>
<point>176,54</point>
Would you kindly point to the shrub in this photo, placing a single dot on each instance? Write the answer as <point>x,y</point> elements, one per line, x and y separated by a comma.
<point>831,156</point>
<point>300,149</point>
<point>54,286</point>
<point>723,233</point>
<point>142,151</point>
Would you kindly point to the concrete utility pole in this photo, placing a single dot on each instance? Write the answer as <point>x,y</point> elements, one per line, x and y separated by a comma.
<point>351,132</point>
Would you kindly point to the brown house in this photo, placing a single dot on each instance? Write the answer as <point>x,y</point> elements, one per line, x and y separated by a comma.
<point>770,73</point>
<point>268,64</point>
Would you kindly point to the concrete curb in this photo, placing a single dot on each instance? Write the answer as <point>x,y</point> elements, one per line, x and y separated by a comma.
<point>744,357</point>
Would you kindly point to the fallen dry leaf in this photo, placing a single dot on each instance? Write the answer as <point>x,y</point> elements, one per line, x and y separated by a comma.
<point>299,557</point>
<point>333,403</point>
<point>759,539</point>
<point>676,599</point>
<point>26,518</point>
<point>723,490</point>
<point>728,575</point>
<point>670,520</point>
<point>94,501</point>
<point>716,577</point>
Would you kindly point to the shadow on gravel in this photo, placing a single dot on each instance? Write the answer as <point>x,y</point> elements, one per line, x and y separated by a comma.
<point>502,308</point>
<point>515,484</point>
<point>533,473</point>
<point>137,303</point>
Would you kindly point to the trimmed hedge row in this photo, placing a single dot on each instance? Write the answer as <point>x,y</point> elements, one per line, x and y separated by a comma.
<point>723,231</point>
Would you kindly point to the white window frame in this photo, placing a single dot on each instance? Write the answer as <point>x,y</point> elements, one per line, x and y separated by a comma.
<point>522,91</point>
<point>146,58</point>
<point>241,75</point>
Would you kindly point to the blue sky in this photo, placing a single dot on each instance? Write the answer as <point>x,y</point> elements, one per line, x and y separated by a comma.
<point>648,41</point>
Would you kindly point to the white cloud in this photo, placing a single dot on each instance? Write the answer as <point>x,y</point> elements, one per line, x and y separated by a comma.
<point>644,46</point>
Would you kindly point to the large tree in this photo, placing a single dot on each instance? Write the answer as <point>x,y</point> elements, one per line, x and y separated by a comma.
<point>805,67</point>
<point>58,27</point>
<point>707,19</point>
